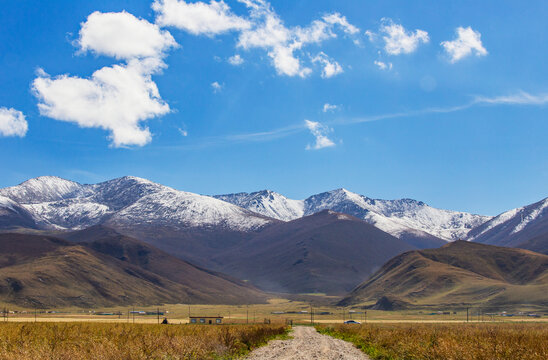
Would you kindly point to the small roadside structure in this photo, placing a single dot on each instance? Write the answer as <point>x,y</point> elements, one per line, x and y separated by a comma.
<point>206,320</point>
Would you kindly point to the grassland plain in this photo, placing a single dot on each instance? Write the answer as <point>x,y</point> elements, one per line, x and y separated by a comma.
<point>276,310</point>
<point>96,341</point>
<point>446,341</point>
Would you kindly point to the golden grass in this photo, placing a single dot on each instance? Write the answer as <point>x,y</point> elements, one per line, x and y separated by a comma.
<point>447,341</point>
<point>130,341</point>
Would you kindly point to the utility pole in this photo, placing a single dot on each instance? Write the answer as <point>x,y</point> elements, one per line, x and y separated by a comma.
<point>467,320</point>
<point>133,312</point>
<point>35,314</point>
<point>311,316</point>
<point>247,314</point>
<point>158,313</point>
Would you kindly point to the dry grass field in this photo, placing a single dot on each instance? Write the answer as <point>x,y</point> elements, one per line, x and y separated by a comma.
<point>276,310</point>
<point>130,341</point>
<point>511,341</point>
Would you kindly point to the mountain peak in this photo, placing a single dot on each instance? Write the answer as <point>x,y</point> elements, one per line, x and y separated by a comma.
<point>41,189</point>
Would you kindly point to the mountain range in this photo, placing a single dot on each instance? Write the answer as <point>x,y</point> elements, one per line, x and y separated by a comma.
<point>327,243</point>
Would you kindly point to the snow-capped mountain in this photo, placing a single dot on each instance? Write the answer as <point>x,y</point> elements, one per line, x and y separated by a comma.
<point>267,203</point>
<point>397,217</point>
<point>515,226</point>
<point>55,203</point>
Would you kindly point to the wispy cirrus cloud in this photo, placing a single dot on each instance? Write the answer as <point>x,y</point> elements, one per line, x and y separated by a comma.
<point>519,98</point>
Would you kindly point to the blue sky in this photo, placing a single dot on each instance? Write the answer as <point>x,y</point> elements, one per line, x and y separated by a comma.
<point>440,101</point>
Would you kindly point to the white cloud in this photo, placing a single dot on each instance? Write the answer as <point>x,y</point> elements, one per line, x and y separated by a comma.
<point>216,87</point>
<point>320,133</point>
<point>117,98</point>
<point>468,42</point>
<point>12,123</point>
<point>520,98</point>
<point>397,40</point>
<point>328,107</point>
<point>198,18</point>
<point>123,36</point>
<point>262,29</point>
<point>183,132</point>
<point>382,65</point>
<point>235,60</point>
<point>330,67</point>
<point>338,19</point>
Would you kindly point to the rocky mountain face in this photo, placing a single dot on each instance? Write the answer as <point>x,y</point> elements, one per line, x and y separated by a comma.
<point>327,252</point>
<point>525,227</point>
<point>55,203</point>
<point>402,218</point>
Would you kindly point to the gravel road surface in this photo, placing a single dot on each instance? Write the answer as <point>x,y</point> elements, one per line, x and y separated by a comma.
<point>306,344</point>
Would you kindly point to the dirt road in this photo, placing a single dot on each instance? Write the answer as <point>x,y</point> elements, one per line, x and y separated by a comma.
<point>306,344</point>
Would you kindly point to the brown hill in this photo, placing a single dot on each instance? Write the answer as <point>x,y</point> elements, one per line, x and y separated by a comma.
<point>110,270</point>
<point>327,252</point>
<point>458,274</point>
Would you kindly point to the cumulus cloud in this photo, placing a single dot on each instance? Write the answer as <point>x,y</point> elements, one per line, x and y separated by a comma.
<point>12,123</point>
<point>520,98</point>
<point>262,29</point>
<point>284,43</point>
<point>382,65</point>
<point>198,18</point>
<point>320,133</point>
<point>216,87</point>
<point>116,98</point>
<point>328,107</point>
<point>330,67</point>
<point>236,60</point>
<point>397,40</point>
<point>123,36</point>
<point>468,42</point>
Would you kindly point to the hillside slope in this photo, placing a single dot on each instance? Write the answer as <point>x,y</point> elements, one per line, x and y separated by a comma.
<point>459,274</point>
<point>326,252</point>
<point>109,270</point>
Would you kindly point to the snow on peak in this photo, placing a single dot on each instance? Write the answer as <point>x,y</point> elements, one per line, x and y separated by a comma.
<point>6,202</point>
<point>267,203</point>
<point>55,203</point>
<point>393,216</point>
<point>534,213</point>
<point>41,189</point>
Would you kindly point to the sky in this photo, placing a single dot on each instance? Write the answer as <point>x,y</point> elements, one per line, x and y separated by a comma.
<point>440,101</point>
